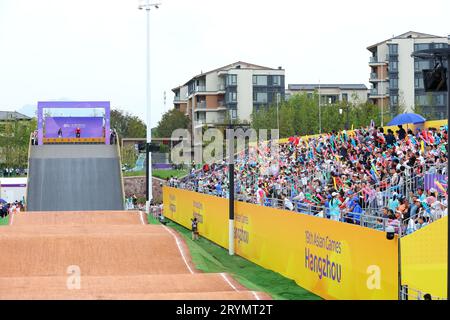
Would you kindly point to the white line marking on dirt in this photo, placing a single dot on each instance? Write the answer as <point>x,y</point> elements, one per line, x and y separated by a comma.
<point>256,295</point>
<point>224,276</point>
<point>179,248</point>
<point>12,218</point>
<point>142,219</point>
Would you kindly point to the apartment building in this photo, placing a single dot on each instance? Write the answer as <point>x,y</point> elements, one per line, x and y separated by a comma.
<point>235,89</point>
<point>331,93</point>
<point>397,78</point>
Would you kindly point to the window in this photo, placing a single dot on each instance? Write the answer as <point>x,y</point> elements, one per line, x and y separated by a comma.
<point>233,96</point>
<point>418,83</point>
<point>393,66</point>
<point>421,46</point>
<point>260,80</point>
<point>419,65</point>
<point>439,100</point>
<point>345,97</point>
<point>201,116</point>
<point>422,100</point>
<point>276,80</point>
<point>393,83</point>
<point>260,97</point>
<point>394,100</point>
<point>233,114</point>
<point>440,45</point>
<point>393,49</point>
<point>232,79</point>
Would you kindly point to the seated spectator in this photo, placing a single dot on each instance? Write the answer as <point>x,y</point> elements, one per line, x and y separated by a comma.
<point>355,211</point>
<point>288,203</point>
<point>402,209</point>
<point>421,223</point>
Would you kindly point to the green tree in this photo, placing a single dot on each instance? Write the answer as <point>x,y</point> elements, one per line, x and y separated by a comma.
<point>127,125</point>
<point>129,156</point>
<point>170,121</point>
<point>14,143</point>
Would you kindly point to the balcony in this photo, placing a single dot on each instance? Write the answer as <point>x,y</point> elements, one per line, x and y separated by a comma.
<point>373,76</point>
<point>200,106</point>
<point>177,100</point>
<point>221,87</point>
<point>378,93</point>
<point>199,123</point>
<point>261,101</point>
<point>376,61</point>
<point>200,89</point>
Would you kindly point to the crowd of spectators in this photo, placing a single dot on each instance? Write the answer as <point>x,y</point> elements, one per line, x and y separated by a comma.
<point>13,172</point>
<point>340,175</point>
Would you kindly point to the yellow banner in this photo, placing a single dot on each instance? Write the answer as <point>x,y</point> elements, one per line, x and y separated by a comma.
<point>424,259</point>
<point>331,259</point>
<point>211,212</point>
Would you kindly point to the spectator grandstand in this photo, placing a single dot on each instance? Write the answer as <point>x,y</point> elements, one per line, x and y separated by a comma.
<point>366,177</point>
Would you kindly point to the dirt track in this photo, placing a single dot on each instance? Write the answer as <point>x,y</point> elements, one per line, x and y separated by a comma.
<point>118,257</point>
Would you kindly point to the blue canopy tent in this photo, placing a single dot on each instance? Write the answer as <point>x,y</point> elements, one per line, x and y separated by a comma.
<point>407,118</point>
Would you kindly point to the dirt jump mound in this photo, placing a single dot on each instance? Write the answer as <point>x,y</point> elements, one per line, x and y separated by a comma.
<point>103,255</point>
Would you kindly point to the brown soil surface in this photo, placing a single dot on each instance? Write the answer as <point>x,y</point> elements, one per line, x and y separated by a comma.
<point>116,255</point>
<point>67,218</point>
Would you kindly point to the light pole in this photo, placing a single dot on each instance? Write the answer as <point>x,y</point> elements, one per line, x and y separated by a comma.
<point>382,98</point>
<point>230,135</point>
<point>278,117</point>
<point>320,115</point>
<point>146,5</point>
<point>341,111</point>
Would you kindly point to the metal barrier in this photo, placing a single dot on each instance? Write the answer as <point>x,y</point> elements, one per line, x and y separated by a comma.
<point>408,182</point>
<point>363,220</point>
<point>407,293</point>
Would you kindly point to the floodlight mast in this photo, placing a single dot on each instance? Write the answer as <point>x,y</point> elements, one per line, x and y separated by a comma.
<point>147,6</point>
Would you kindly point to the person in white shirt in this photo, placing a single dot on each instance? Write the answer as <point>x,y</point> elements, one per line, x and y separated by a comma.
<point>288,203</point>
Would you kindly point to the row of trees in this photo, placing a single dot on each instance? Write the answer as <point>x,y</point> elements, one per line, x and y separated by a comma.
<point>300,116</point>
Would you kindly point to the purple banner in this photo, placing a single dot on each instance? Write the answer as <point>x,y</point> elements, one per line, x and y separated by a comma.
<point>436,181</point>
<point>90,127</point>
<point>13,185</point>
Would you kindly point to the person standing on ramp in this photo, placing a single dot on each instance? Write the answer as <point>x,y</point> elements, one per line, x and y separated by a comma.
<point>194,229</point>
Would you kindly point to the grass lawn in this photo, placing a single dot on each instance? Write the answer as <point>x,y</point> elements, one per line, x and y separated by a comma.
<point>4,221</point>
<point>162,174</point>
<point>211,258</point>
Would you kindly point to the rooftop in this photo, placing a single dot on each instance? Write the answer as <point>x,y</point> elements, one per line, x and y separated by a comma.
<point>12,115</point>
<point>407,35</point>
<point>235,65</point>
<point>342,86</point>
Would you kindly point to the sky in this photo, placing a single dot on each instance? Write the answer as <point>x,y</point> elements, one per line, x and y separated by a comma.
<point>96,49</point>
